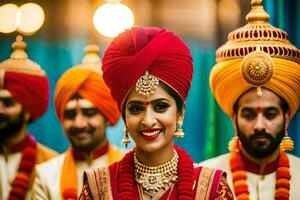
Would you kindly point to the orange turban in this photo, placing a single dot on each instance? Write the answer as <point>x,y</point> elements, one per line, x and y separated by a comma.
<point>88,83</point>
<point>256,55</point>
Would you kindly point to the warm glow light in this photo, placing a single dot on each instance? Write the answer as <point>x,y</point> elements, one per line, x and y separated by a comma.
<point>110,19</point>
<point>31,18</point>
<point>8,15</point>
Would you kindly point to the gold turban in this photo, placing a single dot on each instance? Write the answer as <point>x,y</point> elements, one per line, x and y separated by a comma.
<point>256,55</point>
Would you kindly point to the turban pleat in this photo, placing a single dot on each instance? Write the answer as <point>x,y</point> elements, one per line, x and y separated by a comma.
<point>160,52</point>
<point>30,90</point>
<point>88,85</point>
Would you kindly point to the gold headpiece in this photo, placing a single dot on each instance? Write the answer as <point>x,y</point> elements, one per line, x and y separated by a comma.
<point>146,84</point>
<point>258,32</point>
<point>256,43</point>
<point>91,60</point>
<point>19,61</point>
<point>256,55</point>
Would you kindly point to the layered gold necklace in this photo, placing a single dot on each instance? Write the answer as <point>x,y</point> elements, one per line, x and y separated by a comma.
<point>154,178</point>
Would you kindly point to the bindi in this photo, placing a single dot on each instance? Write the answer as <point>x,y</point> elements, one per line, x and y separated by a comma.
<point>258,108</point>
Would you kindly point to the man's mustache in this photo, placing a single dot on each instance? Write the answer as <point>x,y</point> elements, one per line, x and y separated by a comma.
<point>262,134</point>
<point>88,129</point>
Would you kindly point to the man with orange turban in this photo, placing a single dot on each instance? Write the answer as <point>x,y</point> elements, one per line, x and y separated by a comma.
<point>256,81</point>
<point>85,107</point>
<point>24,96</point>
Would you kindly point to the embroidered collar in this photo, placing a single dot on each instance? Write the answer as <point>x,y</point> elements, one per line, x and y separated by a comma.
<point>252,167</point>
<point>96,153</point>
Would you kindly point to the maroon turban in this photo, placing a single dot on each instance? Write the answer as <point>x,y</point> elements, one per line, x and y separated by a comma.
<point>25,80</point>
<point>29,90</point>
<point>160,52</point>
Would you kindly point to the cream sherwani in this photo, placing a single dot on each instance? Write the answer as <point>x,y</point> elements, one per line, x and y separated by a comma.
<point>9,165</point>
<point>47,180</point>
<point>261,187</point>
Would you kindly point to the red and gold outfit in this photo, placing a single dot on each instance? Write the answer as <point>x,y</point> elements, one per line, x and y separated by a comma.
<point>150,54</point>
<point>117,182</point>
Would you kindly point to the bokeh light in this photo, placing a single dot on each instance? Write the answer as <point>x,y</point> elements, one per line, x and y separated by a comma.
<point>8,16</point>
<point>110,19</point>
<point>32,18</point>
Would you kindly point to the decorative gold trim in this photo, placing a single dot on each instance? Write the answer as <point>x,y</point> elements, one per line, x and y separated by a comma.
<point>99,182</point>
<point>146,84</point>
<point>91,60</point>
<point>257,68</point>
<point>19,61</point>
<point>204,183</point>
<point>258,31</point>
<point>2,72</point>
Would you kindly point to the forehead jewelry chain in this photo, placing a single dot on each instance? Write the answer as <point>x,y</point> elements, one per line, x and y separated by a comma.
<point>154,178</point>
<point>147,84</point>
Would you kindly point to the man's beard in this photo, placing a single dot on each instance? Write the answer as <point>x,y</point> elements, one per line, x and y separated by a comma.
<point>259,149</point>
<point>12,127</point>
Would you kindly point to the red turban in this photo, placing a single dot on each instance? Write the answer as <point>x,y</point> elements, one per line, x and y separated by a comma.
<point>160,52</point>
<point>25,80</point>
<point>89,85</point>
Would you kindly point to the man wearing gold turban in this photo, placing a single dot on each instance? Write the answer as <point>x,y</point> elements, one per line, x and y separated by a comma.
<point>85,108</point>
<point>24,96</point>
<point>256,81</point>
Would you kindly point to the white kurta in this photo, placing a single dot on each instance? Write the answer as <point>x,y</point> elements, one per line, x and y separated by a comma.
<point>47,181</point>
<point>261,187</point>
<point>9,166</point>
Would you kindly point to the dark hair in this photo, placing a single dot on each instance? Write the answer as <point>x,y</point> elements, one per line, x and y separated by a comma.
<point>174,94</point>
<point>283,104</point>
<point>170,91</point>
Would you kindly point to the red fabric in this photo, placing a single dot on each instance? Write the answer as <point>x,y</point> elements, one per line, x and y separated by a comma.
<point>29,90</point>
<point>160,52</point>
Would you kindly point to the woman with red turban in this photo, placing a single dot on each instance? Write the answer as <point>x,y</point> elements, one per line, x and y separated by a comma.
<point>149,72</point>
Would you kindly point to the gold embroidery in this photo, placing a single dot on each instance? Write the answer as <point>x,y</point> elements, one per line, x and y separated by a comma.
<point>204,183</point>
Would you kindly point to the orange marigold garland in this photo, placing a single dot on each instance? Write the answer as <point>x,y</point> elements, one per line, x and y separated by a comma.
<point>239,177</point>
<point>20,183</point>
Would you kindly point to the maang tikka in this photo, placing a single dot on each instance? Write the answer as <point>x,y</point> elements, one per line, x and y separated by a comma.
<point>146,84</point>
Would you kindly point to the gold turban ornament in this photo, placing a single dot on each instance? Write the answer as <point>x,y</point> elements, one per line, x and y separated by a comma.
<point>256,55</point>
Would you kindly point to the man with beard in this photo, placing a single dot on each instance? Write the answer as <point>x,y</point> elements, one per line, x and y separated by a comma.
<point>85,107</point>
<point>257,84</point>
<point>24,96</point>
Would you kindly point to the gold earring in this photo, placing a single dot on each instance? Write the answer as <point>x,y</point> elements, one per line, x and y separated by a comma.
<point>126,139</point>
<point>234,144</point>
<point>287,144</point>
<point>179,131</point>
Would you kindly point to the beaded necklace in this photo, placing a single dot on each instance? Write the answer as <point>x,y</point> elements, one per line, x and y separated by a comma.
<point>184,184</point>
<point>239,177</point>
<point>154,178</point>
<point>20,184</point>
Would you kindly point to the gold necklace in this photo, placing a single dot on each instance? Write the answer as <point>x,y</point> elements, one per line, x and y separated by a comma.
<point>154,178</point>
